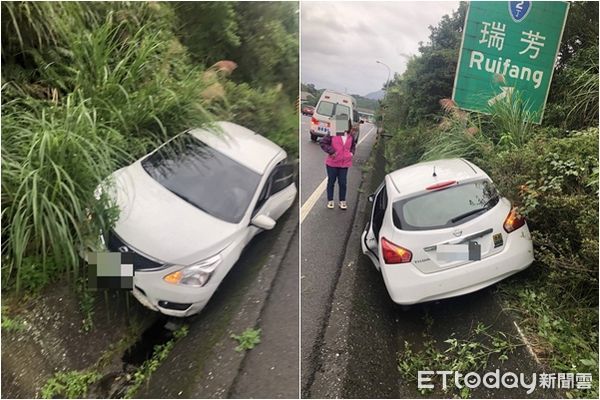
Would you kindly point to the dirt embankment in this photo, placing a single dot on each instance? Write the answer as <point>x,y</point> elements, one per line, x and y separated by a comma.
<point>50,337</point>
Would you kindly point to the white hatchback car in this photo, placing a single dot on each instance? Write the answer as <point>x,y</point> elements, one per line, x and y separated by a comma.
<point>189,208</point>
<point>440,229</point>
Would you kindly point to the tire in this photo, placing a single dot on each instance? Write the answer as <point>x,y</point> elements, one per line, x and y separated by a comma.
<point>313,138</point>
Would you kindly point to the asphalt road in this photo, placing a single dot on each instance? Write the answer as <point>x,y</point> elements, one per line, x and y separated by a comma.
<point>324,233</point>
<point>271,369</point>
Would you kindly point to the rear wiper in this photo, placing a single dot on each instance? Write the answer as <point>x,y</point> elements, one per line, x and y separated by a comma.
<point>468,214</point>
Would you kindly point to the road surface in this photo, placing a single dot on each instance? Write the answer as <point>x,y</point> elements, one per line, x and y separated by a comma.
<point>323,240</point>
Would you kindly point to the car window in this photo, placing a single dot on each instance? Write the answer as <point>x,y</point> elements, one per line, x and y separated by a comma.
<point>203,177</point>
<point>356,117</point>
<point>341,109</point>
<point>282,177</point>
<point>329,109</point>
<point>325,108</point>
<point>445,208</point>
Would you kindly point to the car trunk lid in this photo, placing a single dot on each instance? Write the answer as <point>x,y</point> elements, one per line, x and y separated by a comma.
<point>441,249</point>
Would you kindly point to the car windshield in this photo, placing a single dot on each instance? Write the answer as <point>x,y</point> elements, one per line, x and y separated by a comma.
<point>329,109</point>
<point>203,177</point>
<point>445,208</point>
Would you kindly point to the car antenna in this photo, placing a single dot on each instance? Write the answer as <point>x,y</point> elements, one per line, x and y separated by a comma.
<point>434,174</point>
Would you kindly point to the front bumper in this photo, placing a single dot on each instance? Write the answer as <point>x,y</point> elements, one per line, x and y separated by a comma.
<point>153,292</point>
<point>407,285</point>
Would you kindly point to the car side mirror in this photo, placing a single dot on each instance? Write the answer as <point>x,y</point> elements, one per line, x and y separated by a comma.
<point>371,197</point>
<point>263,222</point>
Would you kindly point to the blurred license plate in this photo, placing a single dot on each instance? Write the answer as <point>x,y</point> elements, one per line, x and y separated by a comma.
<point>459,252</point>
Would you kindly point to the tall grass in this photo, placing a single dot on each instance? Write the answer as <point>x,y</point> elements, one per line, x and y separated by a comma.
<point>112,90</point>
<point>458,135</point>
<point>584,96</point>
<point>52,161</point>
<point>512,118</point>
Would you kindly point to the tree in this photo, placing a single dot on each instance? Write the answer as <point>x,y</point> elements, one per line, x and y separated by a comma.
<point>414,96</point>
<point>208,29</point>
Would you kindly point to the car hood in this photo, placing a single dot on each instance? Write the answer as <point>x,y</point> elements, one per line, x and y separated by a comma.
<point>159,224</point>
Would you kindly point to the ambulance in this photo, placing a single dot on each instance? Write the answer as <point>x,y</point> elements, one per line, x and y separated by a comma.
<point>330,105</point>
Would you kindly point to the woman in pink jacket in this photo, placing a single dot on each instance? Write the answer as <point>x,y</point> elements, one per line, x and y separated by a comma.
<point>340,149</point>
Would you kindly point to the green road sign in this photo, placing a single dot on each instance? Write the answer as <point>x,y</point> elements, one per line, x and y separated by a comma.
<point>508,45</point>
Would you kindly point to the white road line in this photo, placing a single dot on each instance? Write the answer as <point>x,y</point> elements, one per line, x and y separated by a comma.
<point>312,200</point>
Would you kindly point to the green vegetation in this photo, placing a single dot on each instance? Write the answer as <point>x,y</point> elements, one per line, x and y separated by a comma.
<point>11,324</point>
<point>550,172</point>
<point>89,87</point>
<point>76,384</point>
<point>247,340</point>
<point>472,354</point>
<point>143,373</point>
<point>69,385</point>
<point>86,304</point>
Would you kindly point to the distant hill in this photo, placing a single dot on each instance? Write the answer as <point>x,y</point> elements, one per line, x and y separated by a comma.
<point>378,95</point>
<point>363,102</point>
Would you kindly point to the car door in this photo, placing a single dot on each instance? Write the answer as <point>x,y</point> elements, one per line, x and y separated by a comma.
<point>276,196</point>
<point>282,191</point>
<point>370,237</point>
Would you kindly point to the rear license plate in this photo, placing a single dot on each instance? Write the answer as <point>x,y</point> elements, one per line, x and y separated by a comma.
<point>459,252</point>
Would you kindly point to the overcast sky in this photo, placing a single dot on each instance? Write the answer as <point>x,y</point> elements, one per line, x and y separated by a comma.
<point>342,40</point>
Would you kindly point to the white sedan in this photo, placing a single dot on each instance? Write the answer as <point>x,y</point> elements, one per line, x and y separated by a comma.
<point>189,208</point>
<point>440,229</point>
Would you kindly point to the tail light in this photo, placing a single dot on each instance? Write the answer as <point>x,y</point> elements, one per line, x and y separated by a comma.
<point>315,121</point>
<point>513,221</point>
<point>394,254</point>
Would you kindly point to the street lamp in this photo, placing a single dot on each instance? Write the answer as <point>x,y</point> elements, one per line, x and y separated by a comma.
<point>387,82</point>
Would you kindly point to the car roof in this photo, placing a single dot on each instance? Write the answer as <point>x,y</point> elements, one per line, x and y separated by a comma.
<point>337,95</point>
<point>415,178</point>
<point>240,144</point>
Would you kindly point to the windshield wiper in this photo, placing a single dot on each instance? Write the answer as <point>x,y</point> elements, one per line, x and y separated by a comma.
<point>468,214</point>
<point>475,211</point>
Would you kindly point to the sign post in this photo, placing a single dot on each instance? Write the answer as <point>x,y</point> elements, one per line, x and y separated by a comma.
<point>508,45</point>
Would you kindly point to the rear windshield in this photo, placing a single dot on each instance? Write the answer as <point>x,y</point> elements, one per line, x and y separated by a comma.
<point>329,109</point>
<point>203,177</point>
<point>445,208</point>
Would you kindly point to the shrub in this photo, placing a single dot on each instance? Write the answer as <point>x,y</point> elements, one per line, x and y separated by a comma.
<point>267,112</point>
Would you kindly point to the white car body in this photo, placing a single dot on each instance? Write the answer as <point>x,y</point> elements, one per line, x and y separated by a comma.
<point>438,267</point>
<point>168,233</point>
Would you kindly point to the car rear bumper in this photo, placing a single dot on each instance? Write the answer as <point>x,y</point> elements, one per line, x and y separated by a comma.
<point>407,285</point>
<point>317,133</point>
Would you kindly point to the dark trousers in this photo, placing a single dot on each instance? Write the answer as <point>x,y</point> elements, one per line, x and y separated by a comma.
<point>341,174</point>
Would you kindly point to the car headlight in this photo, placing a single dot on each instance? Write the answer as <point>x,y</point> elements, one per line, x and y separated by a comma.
<point>194,275</point>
